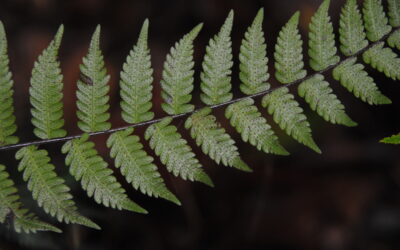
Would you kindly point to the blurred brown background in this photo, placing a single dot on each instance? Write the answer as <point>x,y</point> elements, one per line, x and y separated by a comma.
<point>346,198</point>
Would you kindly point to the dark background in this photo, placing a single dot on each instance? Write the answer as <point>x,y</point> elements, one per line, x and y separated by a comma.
<point>346,198</point>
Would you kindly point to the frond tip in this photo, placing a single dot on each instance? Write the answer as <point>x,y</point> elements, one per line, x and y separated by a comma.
<point>253,59</point>
<point>174,152</point>
<point>92,90</point>
<point>46,92</point>
<point>136,81</point>
<point>87,166</point>
<point>217,66</point>
<point>322,49</point>
<point>289,52</point>
<point>213,139</point>
<point>177,77</point>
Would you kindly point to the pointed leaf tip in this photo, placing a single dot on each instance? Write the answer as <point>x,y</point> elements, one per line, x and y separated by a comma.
<point>58,36</point>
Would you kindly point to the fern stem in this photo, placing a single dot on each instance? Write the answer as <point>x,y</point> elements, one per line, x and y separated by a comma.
<point>141,124</point>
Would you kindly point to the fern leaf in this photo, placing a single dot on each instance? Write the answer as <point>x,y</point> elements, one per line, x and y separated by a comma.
<point>217,64</point>
<point>174,152</point>
<point>355,79</point>
<point>351,29</point>
<point>376,22</point>
<point>136,81</point>
<point>177,77</point>
<point>96,178</point>
<point>92,91</point>
<point>46,92</point>
<point>137,167</point>
<point>384,60</point>
<point>322,49</point>
<point>288,52</point>
<point>394,40</point>
<point>7,117</point>
<point>394,13</point>
<point>289,115</point>
<point>11,206</point>
<point>318,94</point>
<point>247,120</point>
<point>47,189</point>
<point>253,59</point>
<point>213,139</point>
<point>394,139</point>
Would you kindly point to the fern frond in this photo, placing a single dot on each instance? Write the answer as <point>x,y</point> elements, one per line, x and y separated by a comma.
<point>213,140</point>
<point>376,22</point>
<point>136,81</point>
<point>289,116</point>
<point>318,94</point>
<point>177,77</point>
<point>322,49</point>
<point>394,40</point>
<point>247,120</point>
<point>11,206</point>
<point>355,79</point>
<point>93,90</point>
<point>394,139</point>
<point>253,59</point>
<point>217,64</point>
<point>288,52</point>
<point>87,166</point>
<point>7,117</point>
<point>47,189</point>
<point>384,60</point>
<point>174,152</point>
<point>46,92</point>
<point>137,167</point>
<point>394,13</point>
<point>351,29</point>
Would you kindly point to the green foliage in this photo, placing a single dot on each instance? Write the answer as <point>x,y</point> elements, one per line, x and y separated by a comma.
<point>177,82</point>
<point>47,189</point>
<point>247,120</point>
<point>355,79</point>
<point>133,159</point>
<point>136,80</point>
<point>288,52</point>
<point>87,166</point>
<point>11,207</point>
<point>253,59</point>
<point>384,60</point>
<point>394,139</point>
<point>93,89</point>
<point>46,92</point>
<point>137,167</point>
<point>7,118</point>
<point>394,40</point>
<point>351,30</point>
<point>174,152</point>
<point>213,139</point>
<point>394,12</point>
<point>289,115</point>
<point>376,22</point>
<point>322,49</point>
<point>217,64</point>
<point>319,96</point>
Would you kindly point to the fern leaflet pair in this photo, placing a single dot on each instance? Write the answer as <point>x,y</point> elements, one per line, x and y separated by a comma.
<point>360,33</point>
